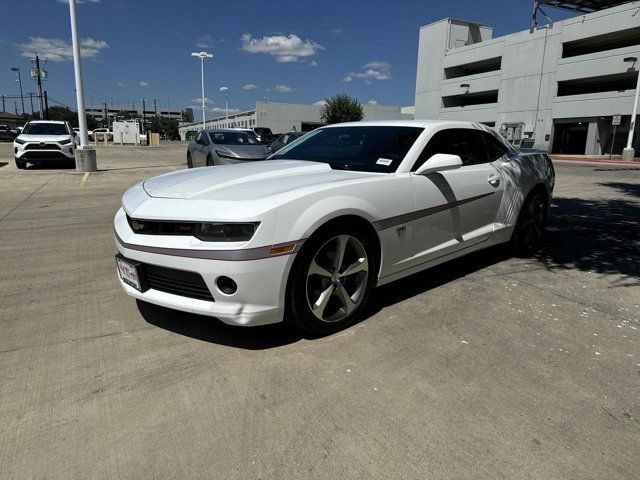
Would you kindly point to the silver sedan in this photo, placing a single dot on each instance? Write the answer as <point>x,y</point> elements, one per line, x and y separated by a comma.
<point>223,147</point>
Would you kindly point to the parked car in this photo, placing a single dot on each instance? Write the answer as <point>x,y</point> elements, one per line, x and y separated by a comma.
<point>100,133</point>
<point>264,134</point>
<point>284,140</point>
<point>44,140</point>
<point>220,147</point>
<point>305,236</point>
<point>7,134</point>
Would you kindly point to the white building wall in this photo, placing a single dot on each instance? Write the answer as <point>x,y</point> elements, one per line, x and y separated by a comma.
<point>531,66</point>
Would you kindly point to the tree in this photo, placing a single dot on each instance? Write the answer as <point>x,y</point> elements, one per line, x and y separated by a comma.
<point>166,127</point>
<point>341,108</point>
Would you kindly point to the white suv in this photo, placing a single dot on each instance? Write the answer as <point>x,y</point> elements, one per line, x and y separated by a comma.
<point>44,140</point>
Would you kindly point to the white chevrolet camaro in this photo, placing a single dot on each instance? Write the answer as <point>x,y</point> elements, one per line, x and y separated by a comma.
<point>305,236</point>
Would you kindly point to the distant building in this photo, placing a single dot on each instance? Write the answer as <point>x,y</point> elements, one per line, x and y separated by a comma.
<point>10,119</point>
<point>99,113</point>
<point>556,87</point>
<point>284,117</point>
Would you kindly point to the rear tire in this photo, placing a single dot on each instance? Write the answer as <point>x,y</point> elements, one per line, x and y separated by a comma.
<point>189,161</point>
<point>331,280</point>
<point>21,164</point>
<point>528,234</point>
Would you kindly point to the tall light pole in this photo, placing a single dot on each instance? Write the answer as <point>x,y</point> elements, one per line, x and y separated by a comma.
<point>629,153</point>
<point>16,69</point>
<point>226,105</point>
<point>202,56</point>
<point>85,156</point>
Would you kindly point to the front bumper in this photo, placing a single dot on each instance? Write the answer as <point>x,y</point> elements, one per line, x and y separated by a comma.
<point>259,299</point>
<point>28,152</point>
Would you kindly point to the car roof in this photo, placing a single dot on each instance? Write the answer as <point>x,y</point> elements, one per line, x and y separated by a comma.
<point>403,123</point>
<point>47,121</point>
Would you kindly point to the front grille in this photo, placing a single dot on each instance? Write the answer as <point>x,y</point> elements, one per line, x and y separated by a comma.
<point>155,227</point>
<point>43,146</point>
<point>177,282</point>
<point>34,155</point>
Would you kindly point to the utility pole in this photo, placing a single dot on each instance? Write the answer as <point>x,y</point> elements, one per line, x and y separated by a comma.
<point>38,75</point>
<point>46,106</point>
<point>31,100</point>
<point>16,69</point>
<point>15,106</point>
<point>155,107</point>
<point>144,118</point>
<point>3,107</point>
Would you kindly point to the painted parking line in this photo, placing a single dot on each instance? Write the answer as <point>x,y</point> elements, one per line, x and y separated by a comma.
<point>84,179</point>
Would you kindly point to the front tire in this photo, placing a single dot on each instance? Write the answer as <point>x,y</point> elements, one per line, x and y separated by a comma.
<point>529,231</point>
<point>331,281</point>
<point>209,161</point>
<point>189,161</point>
<point>21,164</point>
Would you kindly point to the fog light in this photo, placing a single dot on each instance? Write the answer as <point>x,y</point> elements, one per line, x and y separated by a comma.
<point>226,285</point>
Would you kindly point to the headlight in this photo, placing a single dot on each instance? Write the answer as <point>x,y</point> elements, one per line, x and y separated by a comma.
<point>225,232</point>
<point>65,142</point>
<point>226,155</point>
<point>21,142</point>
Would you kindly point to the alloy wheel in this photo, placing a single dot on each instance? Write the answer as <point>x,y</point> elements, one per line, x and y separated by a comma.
<point>532,228</point>
<point>337,278</point>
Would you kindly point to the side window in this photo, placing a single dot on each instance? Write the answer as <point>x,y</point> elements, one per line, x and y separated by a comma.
<point>495,148</point>
<point>467,143</point>
<point>205,137</point>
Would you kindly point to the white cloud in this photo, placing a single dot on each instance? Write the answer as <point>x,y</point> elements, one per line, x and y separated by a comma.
<point>320,103</point>
<point>207,101</point>
<point>204,41</point>
<point>284,49</point>
<point>58,50</point>
<point>313,63</point>
<point>223,110</point>
<point>120,84</point>
<point>143,83</point>
<point>283,88</point>
<point>376,70</point>
<point>372,102</point>
<point>250,86</point>
<point>336,31</point>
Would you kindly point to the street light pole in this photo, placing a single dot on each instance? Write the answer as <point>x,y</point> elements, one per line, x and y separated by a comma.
<point>226,105</point>
<point>202,56</point>
<point>85,156</point>
<point>629,153</point>
<point>16,69</point>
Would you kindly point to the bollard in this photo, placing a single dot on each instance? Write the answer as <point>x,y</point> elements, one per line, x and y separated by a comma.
<point>106,139</point>
<point>85,160</point>
<point>121,138</point>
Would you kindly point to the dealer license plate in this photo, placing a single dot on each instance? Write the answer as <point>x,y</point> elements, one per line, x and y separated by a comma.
<point>128,273</point>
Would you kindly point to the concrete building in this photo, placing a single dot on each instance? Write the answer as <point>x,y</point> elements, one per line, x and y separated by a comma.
<point>99,112</point>
<point>284,117</point>
<point>555,87</point>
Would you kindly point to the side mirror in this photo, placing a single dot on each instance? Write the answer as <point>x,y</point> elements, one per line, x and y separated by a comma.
<point>74,133</point>
<point>439,163</point>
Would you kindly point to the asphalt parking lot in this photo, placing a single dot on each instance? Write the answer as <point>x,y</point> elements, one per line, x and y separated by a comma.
<point>486,367</point>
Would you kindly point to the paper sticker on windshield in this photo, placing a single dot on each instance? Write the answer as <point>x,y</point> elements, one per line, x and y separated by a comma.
<point>384,161</point>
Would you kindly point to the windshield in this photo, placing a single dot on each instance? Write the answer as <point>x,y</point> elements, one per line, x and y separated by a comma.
<point>45,129</point>
<point>365,149</point>
<point>234,138</point>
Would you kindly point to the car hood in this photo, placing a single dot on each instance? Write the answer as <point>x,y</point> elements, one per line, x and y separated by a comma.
<point>44,138</point>
<point>245,151</point>
<point>248,181</point>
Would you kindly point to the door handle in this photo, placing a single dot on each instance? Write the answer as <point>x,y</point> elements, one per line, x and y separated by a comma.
<point>494,180</point>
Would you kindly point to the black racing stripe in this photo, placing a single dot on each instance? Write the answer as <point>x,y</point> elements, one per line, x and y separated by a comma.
<point>411,216</point>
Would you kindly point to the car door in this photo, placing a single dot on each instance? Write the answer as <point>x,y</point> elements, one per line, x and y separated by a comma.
<point>197,156</point>
<point>460,206</point>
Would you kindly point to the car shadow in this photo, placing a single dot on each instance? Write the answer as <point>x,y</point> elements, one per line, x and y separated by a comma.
<point>212,330</point>
<point>52,165</point>
<point>599,236</point>
<point>2,164</point>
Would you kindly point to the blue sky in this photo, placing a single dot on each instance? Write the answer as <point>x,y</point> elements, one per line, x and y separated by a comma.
<point>285,51</point>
